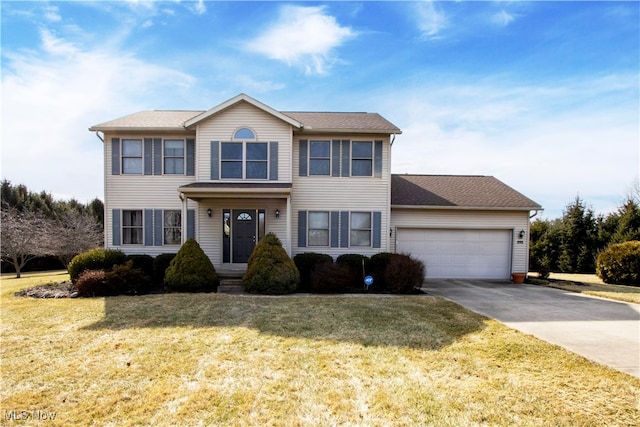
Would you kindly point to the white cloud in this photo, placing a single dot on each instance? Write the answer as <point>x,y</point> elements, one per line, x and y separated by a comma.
<point>199,7</point>
<point>517,134</point>
<point>55,94</point>
<point>51,13</point>
<point>430,19</point>
<point>502,18</point>
<point>304,37</point>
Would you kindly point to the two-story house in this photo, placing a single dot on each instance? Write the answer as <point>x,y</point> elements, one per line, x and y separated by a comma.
<point>320,181</point>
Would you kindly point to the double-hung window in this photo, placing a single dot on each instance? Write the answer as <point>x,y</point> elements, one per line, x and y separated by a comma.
<point>174,156</point>
<point>319,158</point>
<point>318,228</point>
<point>362,158</point>
<point>360,229</point>
<point>172,227</point>
<point>132,227</point>
<point>244,160</point>
<point>132,156</point>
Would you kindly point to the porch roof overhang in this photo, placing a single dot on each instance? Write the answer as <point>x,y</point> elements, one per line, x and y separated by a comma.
<point>230,190</point>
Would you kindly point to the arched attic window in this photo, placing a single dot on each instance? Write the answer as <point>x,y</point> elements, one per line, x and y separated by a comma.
<point>244,133</point>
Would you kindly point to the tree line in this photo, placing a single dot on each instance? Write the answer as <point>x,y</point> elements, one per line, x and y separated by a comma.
<point>571,244</point>
<point>35,226</point>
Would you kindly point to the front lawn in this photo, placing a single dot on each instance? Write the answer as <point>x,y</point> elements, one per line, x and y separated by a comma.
<point>209,359</point>
<point>590,284</point>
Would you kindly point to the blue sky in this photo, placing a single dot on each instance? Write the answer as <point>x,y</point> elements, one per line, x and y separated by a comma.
<point>542,95</point>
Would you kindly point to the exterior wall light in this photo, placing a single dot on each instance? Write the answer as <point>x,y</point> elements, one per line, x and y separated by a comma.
<point>521,234</point>
<point>277,213</point>
<point>209,212</point>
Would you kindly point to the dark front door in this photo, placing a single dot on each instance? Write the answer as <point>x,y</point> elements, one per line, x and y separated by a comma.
<point>244,234</point>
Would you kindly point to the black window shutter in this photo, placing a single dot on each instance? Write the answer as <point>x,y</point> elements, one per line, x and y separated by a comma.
<point>158,222</point>
<point>115,156</point>
<point>191,224</point>
<point>377,229</point>
<point>115,226</point>
<point>303,158</point>
<point>334,232</point>
<point>335,157</point>
<point>344,229</point>
<point>273,160</point>
<point>215,160</point>
<point>148,227</point>
<point>191,157</point>
<point>302,229</point>
<point>157,156</point>
<point>148,156</point>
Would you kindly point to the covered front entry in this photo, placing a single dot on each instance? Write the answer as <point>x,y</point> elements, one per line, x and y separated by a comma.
<point>459,253</point>
<point>243,233</point>
<point>232,217</point>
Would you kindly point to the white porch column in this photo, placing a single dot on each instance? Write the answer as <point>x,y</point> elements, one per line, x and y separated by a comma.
<point>183,219</point>
<point>289,246</point>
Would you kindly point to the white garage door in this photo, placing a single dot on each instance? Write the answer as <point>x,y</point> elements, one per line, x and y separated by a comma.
<point>458,254</point>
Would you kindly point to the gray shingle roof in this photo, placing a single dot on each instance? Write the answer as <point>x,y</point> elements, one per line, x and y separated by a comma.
<point>348,121</point>
<point>143,120</point>
<point>311,121</point>
<point>461,191</point>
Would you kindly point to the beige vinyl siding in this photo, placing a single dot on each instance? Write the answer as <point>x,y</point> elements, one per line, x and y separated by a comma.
<point>354,194</point>
<point>469,219</point>
<point>223,125</point>
<point>209,232</point>
<point>139,192</point>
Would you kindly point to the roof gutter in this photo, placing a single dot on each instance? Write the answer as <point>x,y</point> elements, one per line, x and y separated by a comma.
<point>536,212</point>
<point>101,138</point>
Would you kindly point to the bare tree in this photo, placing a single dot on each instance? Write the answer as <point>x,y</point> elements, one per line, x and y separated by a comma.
<point>73,233</point>
<point>24,237</point>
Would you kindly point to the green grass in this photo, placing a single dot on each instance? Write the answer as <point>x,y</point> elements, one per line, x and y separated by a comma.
<point>590,284</point>
<point>208,359</point>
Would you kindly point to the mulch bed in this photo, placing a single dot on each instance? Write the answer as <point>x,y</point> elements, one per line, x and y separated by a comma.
<point>50,290</point>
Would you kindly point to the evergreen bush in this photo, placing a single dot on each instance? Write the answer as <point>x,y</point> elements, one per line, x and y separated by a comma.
<point>160,265</point>
<point>95,259</point>
<point>353,265</point>
<point>404,274</point>
<point>378,265</point>
<point>270,270</point>
<point>306,263</point>
<point>191,270</point>
<point>143,263</point>
<point>620,264</point>
<point>125,279</point>
<point>329,278</point>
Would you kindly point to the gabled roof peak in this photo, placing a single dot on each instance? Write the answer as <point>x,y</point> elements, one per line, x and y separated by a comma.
<point>236,100</point>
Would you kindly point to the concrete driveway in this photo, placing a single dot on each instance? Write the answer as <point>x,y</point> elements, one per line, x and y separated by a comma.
<point>607,332</point>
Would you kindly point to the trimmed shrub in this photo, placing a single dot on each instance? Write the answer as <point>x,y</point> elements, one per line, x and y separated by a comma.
<point>125,279</point>
<point>329,278</point>
<point>378,265</point>
<point>95,259</point>
<point>143,263</point>
<point>191,270</point>
<point>404,274</point>
<point>352,263</point>
<point>160,265</point>
<point>306,263</point>
<point>270,270</point>
<point>620,264</point>
<point>91,283</point>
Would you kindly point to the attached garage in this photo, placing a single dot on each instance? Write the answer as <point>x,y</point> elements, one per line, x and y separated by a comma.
<point>461,227</point>
<point>459,253</point>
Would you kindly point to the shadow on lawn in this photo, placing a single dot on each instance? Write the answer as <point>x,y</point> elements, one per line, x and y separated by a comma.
<point>412,321</point>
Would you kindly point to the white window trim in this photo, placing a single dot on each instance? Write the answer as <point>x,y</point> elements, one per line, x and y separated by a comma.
<point>328,229</point>
<point>123,157</point>
<point>245,160</point>
<point>184,156</point>
<point>123,227</point>
<point>352,158</point>
<point>370,229</point>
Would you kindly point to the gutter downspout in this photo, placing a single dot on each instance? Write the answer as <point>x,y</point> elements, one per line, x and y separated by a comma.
<point>101,138</point>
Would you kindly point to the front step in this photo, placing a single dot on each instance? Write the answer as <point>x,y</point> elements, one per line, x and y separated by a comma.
<point>231,286</point>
